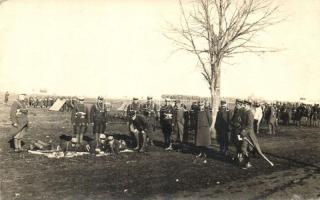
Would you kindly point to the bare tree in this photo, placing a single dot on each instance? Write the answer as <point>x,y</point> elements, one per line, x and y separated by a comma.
<point>214,30</point>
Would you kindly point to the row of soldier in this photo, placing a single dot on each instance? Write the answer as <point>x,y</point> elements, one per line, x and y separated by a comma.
<point>236,127</point>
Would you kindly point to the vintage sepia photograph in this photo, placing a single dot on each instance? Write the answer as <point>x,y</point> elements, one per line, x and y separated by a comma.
<point>159,99</point>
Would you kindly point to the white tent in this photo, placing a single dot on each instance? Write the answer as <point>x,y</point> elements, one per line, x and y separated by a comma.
<point>57,105</point>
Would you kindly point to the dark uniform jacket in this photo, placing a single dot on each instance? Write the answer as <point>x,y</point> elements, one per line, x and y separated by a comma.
<point>80,114</point>
<point>98,112</point>
<point>136,107</point>
<point>222,124</point>
<point>150,109</point>
<point>166,114</point>
<point>140,123</point>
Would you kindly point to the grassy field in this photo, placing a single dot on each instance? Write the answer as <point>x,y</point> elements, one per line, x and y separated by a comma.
<point>157,174</point>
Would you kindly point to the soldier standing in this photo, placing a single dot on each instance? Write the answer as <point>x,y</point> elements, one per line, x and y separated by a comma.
<point>271,119</point>
<point>257,117</point>
<point>150,111</point>
<point>19,119</point>
<point>203,137</point>
<point>6,97</point>
<point>80,120</point>
<point>236,128</point>
<point>136,108</point>
<point>179,120</point>
<point>166,121</point>
<point>98,116</point>
<point>222,126</point>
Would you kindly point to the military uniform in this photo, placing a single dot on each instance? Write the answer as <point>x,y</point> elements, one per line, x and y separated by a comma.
<point>151,112</point>
<point>166,121</point>
<point>248,135</point>
<point>80,120</point>
<point>179,120</point>
<point>222,127</point>
<point>271,119</point>
<point>236,124</point>
<point>98,116</point>
<point>19,119</point>
<point>139,125</point>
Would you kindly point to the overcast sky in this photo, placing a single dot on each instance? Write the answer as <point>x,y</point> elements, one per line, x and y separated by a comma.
<point>117,48</point>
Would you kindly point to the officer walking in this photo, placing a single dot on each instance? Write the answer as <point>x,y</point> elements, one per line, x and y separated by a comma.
<point>19,119</point>
<point>248,136</point>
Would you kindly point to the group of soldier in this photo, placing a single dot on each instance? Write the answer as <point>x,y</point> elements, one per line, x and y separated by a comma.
<point>237,126</point>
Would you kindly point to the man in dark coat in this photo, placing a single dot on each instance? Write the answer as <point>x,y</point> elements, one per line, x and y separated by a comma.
<point>98,117</point>
<point>166,121</point>
<point>236,128</point>
<point>222,127</point>
<point>248,135</point>
<point>203,137</point>
<point>19,119</point>
<point>80,119</point>
<point>139,126</point>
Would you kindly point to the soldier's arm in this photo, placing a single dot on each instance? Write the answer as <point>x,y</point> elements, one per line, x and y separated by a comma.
<point>73,113</point>
<point>13,112</point>
<point>92,113</point>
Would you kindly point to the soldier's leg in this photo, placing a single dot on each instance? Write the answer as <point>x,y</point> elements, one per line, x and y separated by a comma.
<point>181,127</point>
<point>244,151</point>
<point>136,135</point>
<point>274,128</point>
<point>270,127</point>
<point>144,141</point>
<point>258,126</point>
<point>76,130</point>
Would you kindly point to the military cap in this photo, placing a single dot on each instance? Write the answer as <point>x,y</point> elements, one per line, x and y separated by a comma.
<point>239,101</point>
<point>74,140</point>
<point>102,136</point>
<point>135,98</point>
<point>149,97</point>
<point>81,98</point>
<point>223,102</point>
<point>247,102</point>
<point>110,137</point>
<point>100,98</point>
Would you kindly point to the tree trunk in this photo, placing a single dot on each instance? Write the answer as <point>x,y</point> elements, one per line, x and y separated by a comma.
<point>215,101</point>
